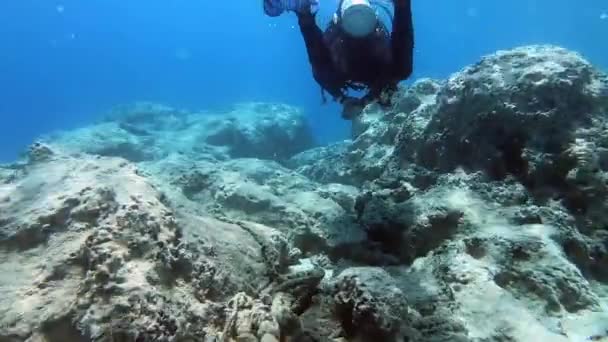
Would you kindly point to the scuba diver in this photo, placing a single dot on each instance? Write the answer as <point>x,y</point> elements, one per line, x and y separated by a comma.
<point>356,51</point>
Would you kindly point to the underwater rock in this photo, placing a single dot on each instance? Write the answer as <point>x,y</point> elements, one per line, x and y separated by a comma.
<point>531,112</point>
<point>470,210</point>
<point>39,152</point>
<point>5,174</point>
<point>494,195</point>
<point>408,226</point>
<point>475,246</point>
<point>375,131</point>
<point>315,217</point>
<point>261,130</point>
<point>52,211</point>
<point>326,164</point>
<point>146,118</point>
<point>369,305</point>
<point>250,320</point>
<point>147,132</point>
<point>86,240</point>
<point>107,140</point>
<point>538,114</point>
<point>374,135</point>
<point>413,105</point>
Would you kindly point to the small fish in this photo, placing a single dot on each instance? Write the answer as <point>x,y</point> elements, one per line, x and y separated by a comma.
<point>60,8</point>
<point>604,16</point>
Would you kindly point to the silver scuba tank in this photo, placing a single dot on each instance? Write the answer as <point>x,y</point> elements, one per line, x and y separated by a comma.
<point>358,17</point>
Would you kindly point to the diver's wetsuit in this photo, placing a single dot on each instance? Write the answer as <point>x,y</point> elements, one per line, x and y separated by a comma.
<point>377,62</point>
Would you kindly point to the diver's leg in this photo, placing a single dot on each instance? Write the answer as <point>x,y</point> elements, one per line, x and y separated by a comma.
<point>273,8</point>
<point>402,40</point>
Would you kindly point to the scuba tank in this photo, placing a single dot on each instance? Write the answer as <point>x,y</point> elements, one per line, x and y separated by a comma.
<point>358,17</point>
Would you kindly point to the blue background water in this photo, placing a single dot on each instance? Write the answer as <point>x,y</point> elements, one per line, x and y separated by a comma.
<point>64,62</point>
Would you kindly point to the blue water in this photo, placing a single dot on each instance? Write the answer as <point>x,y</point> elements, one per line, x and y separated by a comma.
<point>64,62</point>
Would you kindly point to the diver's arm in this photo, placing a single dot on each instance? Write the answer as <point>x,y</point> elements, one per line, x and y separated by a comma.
<point>319,56</point>
<point>402,40</point>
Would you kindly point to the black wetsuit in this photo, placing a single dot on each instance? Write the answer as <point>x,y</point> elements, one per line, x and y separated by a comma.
<point>377,62</point>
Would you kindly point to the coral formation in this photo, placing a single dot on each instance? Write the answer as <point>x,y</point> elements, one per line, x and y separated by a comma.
<point>471,210</point>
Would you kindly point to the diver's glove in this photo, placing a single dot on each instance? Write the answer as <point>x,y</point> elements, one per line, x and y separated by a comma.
<point>275,8</point>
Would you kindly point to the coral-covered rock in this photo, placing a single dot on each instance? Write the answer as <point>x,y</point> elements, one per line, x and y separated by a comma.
<point>5,175</point>
<point>470,210</point>
<point>85,241</point>
<point>409,226</point>
<point>476,245</point>
<point>369,305</point>
<point>145,131</point>
<point>326,164</point>
<point>531,112</point>
<point>260,130</point>
<point>374,138</point>
<point>538,114</point>
<point>108,139</point>
<point>39,152</point>
<point>375,131</point>
<point>314,217</point>
<point>494,195</point>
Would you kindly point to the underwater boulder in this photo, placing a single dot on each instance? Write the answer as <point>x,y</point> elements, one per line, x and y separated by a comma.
<point>539,264</point>
<point>376,131</point>
<point>516,112</point>
<point>39,152</point>
<point>406,223</point>
<point>86,240</point>
<point>480,251</point>
<point>144,118</point>
<point>6,174</point>
<point>143,132</point>
<point>191,244</point>
<point>260,130</point>
<point>107,140</point>
<point>369,305</point>
<point>374,134</point>
<point>325,164</point>
<point>537,114</point>
<point>316,218</point>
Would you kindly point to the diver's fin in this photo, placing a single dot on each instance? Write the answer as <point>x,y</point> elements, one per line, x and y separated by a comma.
<point>273,8</point>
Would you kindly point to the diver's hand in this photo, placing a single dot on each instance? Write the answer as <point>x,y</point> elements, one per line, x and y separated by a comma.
<point>352,107</point>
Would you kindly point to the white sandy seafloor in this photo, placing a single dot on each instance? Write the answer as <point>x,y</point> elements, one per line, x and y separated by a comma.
<point>473,209</point>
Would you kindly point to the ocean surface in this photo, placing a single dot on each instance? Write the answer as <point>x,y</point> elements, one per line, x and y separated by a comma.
<point>64,63</point>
